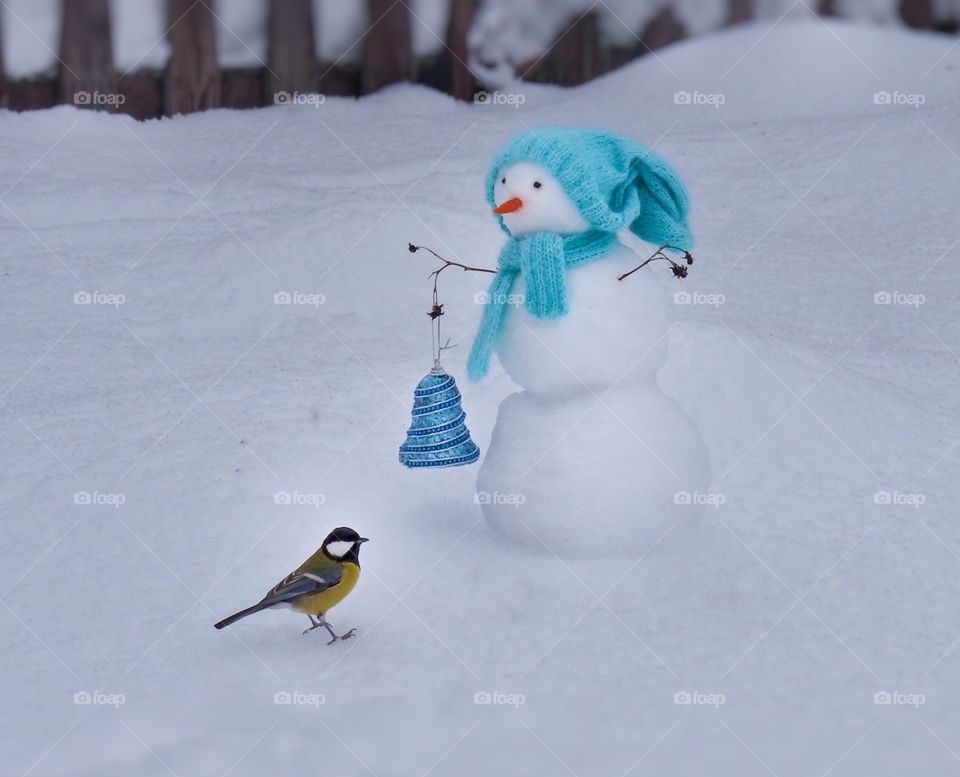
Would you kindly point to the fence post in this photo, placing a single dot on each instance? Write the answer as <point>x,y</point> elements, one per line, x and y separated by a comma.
<point>663,29</point>
<point>462,82</point>
<point>917,13</point>
<point>578,52</point>
<point>86,55</point>
<point>293,53</point>
<point>193,77</point>
<point>3,73</point>
<point>387,46</point>
<point>573,58</point>
<point>739,11</point>
<point>575,55</point>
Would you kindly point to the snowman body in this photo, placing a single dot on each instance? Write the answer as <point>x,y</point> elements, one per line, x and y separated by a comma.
<point>591,452</point>
<point>614,329</point>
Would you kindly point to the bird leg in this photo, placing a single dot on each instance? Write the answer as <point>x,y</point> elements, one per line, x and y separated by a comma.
<point>316,624</point>
<point>333,634</point>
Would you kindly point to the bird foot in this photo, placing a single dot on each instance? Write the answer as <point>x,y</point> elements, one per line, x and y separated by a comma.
<point>347,635</point>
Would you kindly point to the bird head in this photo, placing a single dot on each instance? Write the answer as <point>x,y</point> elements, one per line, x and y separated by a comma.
<point>343,544</point>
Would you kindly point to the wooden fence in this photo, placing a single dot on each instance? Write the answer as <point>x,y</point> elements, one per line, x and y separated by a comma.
<point>193,80</point>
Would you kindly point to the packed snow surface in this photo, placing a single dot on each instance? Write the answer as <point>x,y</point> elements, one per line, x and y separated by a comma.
<point>176,438</point>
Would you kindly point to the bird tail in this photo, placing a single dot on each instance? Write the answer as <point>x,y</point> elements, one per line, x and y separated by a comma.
<point>238,615</point>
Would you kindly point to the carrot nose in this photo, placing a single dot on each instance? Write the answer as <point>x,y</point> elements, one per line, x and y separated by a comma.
<point>515,203</point>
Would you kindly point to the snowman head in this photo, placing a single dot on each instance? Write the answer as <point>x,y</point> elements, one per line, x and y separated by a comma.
<point>588,179</point>
<point>531,199</point>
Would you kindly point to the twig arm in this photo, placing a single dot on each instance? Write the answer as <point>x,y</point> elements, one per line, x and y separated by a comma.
<point>679,270</point>
<point>446,262</point>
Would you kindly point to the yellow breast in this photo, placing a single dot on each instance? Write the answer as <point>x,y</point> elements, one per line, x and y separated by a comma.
<point>316,604</point>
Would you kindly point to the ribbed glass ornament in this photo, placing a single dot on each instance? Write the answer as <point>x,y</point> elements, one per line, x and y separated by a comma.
<point>438,434</point>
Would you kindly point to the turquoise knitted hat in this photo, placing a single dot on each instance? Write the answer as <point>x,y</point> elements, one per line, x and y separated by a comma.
<point>614,181</point>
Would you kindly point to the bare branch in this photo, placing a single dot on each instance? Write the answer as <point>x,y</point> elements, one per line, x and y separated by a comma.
<point>679,271</point>
<point>446,262</point>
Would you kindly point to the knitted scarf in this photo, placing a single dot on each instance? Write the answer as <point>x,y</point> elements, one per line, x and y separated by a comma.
<point>543,259</point>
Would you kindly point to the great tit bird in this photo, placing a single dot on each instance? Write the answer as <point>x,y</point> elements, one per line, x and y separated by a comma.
<point>319,583</point>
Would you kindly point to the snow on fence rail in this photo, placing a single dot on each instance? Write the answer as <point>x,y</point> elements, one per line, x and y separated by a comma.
<point>193,76</point>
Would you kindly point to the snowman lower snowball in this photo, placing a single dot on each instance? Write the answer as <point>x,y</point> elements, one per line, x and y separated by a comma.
<point>590,453</point>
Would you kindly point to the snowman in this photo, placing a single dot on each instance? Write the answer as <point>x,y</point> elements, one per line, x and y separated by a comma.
<point>590,454</point>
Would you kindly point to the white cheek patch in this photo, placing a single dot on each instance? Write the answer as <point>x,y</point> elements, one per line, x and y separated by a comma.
<point>339,548</point>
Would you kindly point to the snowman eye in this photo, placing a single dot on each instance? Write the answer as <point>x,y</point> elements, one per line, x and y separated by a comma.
<point>503,180</point>
<point>537,184</point>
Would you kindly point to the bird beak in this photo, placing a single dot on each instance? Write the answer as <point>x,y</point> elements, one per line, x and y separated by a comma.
<point>363,539</point>
<point>509,206</point>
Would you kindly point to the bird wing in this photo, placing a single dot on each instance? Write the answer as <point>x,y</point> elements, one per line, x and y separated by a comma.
<point>301,583</point>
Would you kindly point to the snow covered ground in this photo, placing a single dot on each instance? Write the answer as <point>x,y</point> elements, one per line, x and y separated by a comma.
<point>193,399</point>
